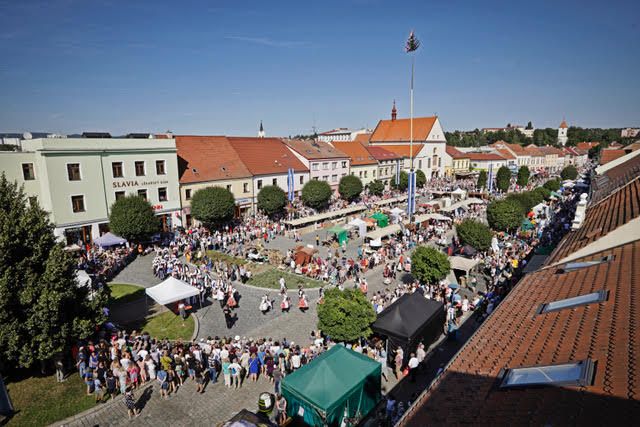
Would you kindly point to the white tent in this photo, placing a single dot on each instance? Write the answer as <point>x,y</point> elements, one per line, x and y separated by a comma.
<point>383,232</point>
<point>462,263</point>
<point>360,225</point>
<point>171,290</point>
<point>459,193</point>
<point>396,213</point>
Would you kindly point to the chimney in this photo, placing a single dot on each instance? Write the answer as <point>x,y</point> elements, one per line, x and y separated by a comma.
<point>581,210</point>
<point>394,111</point>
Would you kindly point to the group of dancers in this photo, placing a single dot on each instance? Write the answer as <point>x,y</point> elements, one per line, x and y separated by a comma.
<point>266,303</point>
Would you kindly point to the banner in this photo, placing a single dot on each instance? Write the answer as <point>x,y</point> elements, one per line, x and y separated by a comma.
<point>397,172</point>
<point>411,196</point>
<point>290,184</point>
<point>490,177</point>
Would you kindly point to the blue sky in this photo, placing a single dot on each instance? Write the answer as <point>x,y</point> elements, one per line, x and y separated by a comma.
<point>219,67</point>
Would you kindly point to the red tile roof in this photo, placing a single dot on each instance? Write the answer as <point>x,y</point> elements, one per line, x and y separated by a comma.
<point>549,150</point>
<point>399,129</point>
<point>563,125</point>
<point>362,138</point>
<point>208,158</point>
<point>484,156</point>
<point>357,152</point>
<point>381,153</point>
<point>455,153</point>
<point>266,156</point>
<point>315,150</point>
<point>608,155</point>
<point>533,150</point>
<point>403,150</point>
<point>506,153</point>
<point>515,336</point>
<point>607,183</point>
<point>586,146</point>
<point>601,219</point>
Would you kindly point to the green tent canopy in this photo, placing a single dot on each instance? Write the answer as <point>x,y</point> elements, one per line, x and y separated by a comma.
<point>340,232</point>
<point>381,219</point>
<point>338,380</point>
<point>526,225</point>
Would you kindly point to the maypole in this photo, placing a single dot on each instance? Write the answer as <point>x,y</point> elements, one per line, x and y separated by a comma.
<point>411,46</point>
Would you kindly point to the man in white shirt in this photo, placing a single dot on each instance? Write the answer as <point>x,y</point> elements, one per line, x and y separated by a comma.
<point>413,367</point>
<point>295,361</point>
<point>420,353</point>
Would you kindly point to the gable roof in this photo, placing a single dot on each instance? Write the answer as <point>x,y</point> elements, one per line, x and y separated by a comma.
<point>484,156</point>
<point>208,158</point>
<point>515,335</point>
<point>265,156</point>
<point>563,125</point>
<point>403,150</point>
<point>604,184</point>
<point>506,153</point>
<point>549,150</point>
<point>534,150</point>
<point>357,152</point>
<point>362,138</point>
<point>454,153</point>
<point>314,150</point>
<point>586,146</point>
<point>380,153</point>
<point>607,155</point>
<point>399,130</point>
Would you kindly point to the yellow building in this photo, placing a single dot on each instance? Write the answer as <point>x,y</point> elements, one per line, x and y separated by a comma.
<point>456,161</point>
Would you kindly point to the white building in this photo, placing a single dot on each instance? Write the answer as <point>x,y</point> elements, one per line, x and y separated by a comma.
<point>629,132</point>
<point>341,134</point>
<point>77,180</point>
<point>562,133</point>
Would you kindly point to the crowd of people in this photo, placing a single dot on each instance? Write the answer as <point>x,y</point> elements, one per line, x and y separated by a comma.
<point>105,263</point>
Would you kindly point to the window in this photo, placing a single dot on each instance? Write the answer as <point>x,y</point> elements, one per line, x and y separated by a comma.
<point>259,184</point>
<point>344,163</point>
<point>28,172</point>
<point>77,204</point>
<point>360,174</point>
<point>187,194</point>
<point>334,165</point>
<point>429,162</point>
<point>325,178</point>
<point>439,162</point>
<point>365,174</point>
<point>592,298</point>
<point>119,195</point>
<point>228,187</point>
<point>325,166</point>
<point>245,187</point>
<point>573,266</point>
<point>143,194</point>
<point>139,168</point>
<point>315,178</point>
<point>116,169</point>
<point>301,179</point>
<point>160,170</point>
<point>162,194</point>
<point>274,181</point>
<point>315,166</point>
<point>73,171</point>
<point>420,164</point>
<point>566,374</point>
<point>334,178</point>
<point>374,173</point>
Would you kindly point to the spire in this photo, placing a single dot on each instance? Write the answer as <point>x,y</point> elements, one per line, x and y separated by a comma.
<point>261,131</point>
<point>394,111</point>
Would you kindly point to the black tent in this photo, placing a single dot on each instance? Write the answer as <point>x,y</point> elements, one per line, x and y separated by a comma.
<point>409,320</point>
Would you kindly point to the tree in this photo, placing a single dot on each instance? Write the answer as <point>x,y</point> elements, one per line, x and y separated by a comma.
<point>132,218</point>
<point>429,265</point>
<point>350,187</point>
<point>345,315</point>
<point>569,172</point>
<point>529,125</point>
<point>213,206</point>
<point>503,179</point>
<point>544,192</point>
<point>523,176</point>
<point>526,200</point>
<point>421,178</point>
<point>482,180</point>
<point>376,187</point>
<point>404,181</point>
<point>316,194</point>
<point>552,185</point>
<point>504,215</point>
<point>42,309</point>
<point>271,199</point>
<point>475,234</point>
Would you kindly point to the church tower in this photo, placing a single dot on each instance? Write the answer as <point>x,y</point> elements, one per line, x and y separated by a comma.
<point>261,131</point>
<point>394,111</point>
<point>562,133</point>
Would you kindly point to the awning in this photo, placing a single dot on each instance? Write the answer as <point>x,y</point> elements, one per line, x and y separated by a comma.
<point>171,290</point>
<point>434,216</point>
<point>462,263</point>
<point>390,201</point>
<point>323,216</point>
<point>383,232</point>
<point>109,239</point>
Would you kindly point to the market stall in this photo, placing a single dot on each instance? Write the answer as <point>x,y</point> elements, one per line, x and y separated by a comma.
<point>304,254</point>
<point>381,219</point>
<point>340,233</point>
<point>109,239</point>
<point>360,225</point>
<point>338,382</point>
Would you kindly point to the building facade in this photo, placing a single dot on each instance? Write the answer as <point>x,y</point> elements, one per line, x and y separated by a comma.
<point>361,163</point>
<point>341,134</point>
<point>77,180</point>
<point>324,161</point>
<point>455,161</point>
<point>486,161</point>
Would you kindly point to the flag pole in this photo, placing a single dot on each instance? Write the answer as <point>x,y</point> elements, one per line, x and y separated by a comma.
<point>413,61</point>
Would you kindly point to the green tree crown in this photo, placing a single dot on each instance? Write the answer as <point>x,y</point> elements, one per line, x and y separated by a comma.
<point>132,218</point>
<point>316,194</point>
<point>504,215</point>
<point>475,234</point>
<point>350,187</point>
<point>213,206</point>
<point>429,265</point>
<point>272,200</point>
<point>345,315</point>
<point>503,179</point>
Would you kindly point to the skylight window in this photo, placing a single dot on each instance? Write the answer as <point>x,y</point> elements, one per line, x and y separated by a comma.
<point>592,298</point>
<point>573,266</point>
<point>566,374</point>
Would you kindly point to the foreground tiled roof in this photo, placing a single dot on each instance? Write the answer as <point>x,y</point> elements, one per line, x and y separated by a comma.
<point>381,153</point>
<point>607,155</point>
<point>208,158</point>
<point>607,183</point>
<point>399,130</point>
<point>516,336</point>
<point>602,218</point>
<point>266,156</point>
<point>362,138</point>
<point>357,152</point>
<point>455,153</point>
<point>315,150</point>
<point>403,150</point>
<point>587,145</point>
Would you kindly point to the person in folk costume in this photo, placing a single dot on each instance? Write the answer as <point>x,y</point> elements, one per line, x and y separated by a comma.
<point>285,305</point>
<point>231,299</point>
<point>364,286</point>
<point>303,304</point>
<point>321,295</point>
<point>265,304</point>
